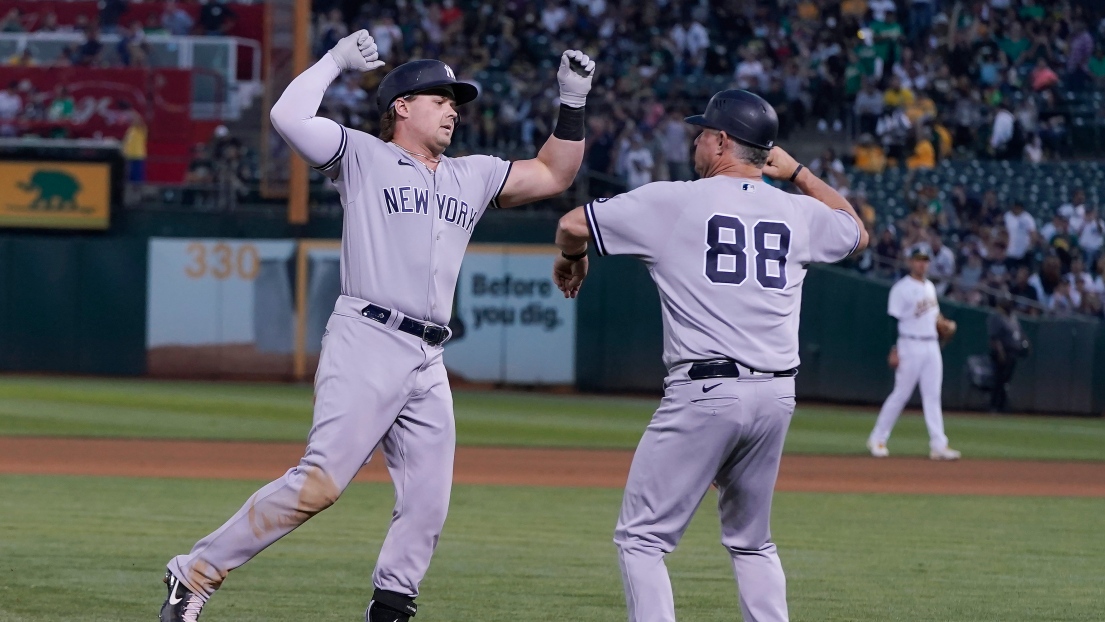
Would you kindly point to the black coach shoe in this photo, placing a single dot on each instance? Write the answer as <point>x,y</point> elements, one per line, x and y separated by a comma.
<point>182,604</point>
<point>388,606</point>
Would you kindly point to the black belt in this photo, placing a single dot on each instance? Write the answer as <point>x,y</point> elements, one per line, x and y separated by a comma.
<point>426,331</point>
<point>726,368</point>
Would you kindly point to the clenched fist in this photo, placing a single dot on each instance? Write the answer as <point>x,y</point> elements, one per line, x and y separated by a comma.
<point>356,51</point>
<point>574,75</point>
<point>780,165</point>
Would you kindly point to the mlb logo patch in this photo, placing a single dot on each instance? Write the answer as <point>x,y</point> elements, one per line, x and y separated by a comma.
<point>748,187</point>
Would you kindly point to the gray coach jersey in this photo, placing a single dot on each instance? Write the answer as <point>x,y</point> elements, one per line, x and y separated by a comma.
<point>728,256</point>
<point>406,229</point>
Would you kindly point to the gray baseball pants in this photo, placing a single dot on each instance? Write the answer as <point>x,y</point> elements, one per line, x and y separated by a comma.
<point>731,435</point>
<point>374,386</point>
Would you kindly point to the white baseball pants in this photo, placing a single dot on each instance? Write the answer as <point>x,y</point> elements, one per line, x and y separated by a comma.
<point>919,363</point>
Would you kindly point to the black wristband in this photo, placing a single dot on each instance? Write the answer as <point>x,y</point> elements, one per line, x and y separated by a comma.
<point>569,124</point>
<point>795,174</point>
<point>574,257</point>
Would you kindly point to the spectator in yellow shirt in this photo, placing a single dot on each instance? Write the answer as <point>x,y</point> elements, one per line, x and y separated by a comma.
<point>134,147</point>
<point>897,96</point>
<point>26,59</point>
<point>853,8</point>
<point>922,108</point>
<point>943,140</point>
<point>808,11</point>
<point>924,154</point>
<point>869,156</point>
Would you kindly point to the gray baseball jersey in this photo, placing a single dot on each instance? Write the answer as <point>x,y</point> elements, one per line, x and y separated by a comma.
<point>728,257</point>
<point>406,229</point>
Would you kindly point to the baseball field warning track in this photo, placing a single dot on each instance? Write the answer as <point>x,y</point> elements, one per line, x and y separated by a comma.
<point>546,467</point>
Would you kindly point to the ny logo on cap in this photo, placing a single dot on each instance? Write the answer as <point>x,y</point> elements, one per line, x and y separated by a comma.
<point>449,72</point>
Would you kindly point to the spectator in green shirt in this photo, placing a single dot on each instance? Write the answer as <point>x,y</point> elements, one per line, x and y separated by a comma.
<point>61,109</point>
<point>1015,45</point>
<point>1031,10</point>
<point>153,25</point>
<point>888,36</point>
<point>866,58</point>
<point>853,77</point>
<point>1097,66</point>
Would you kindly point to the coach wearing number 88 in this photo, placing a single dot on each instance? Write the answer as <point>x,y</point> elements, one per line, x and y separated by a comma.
<point>728,253</point>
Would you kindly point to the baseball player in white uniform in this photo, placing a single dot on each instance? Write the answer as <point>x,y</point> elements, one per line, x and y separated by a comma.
<point>916,359</point>
<point>728,254</point>
<point>409,214</point>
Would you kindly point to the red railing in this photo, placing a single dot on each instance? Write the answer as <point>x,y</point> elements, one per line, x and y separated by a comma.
<point>249,22</point>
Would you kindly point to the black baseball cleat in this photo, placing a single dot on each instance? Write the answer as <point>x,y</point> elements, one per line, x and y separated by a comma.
<point>388,606</point>
<point>182,604</point>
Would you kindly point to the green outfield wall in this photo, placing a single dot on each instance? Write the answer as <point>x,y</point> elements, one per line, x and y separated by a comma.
<point>72,304</point>
<point>76,303</point>
<point>843,342</point>
<point>846,334</point>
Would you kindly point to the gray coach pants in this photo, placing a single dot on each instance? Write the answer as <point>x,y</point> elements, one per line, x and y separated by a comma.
<point>731,434</point>
<point>374,386</point>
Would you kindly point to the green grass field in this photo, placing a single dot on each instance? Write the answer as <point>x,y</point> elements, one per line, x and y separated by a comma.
<point>93,549</point>
<point>276,412</point>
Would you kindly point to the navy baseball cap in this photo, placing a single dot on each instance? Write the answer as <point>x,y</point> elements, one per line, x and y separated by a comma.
<point>422,75</point>
<point>746,117</point>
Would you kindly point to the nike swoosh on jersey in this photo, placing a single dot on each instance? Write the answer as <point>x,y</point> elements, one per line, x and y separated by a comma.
<point>710,388</point>
<point>404,163</point>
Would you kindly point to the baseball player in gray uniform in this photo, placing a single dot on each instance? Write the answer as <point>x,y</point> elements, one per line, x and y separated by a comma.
<point>728,253</point>
<point>409,214</point>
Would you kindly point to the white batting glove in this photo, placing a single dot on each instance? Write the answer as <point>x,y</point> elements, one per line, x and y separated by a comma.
<point>574,75</point>
<point>356,51</point>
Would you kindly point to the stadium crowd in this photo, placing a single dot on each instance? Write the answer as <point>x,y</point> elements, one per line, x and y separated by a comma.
<point>982,251</point>
<point>918,79</point>
<point>888,83</point>
<point>130,48</point>
<point>906,83</point>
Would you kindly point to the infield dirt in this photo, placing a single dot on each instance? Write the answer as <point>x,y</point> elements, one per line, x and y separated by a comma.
<point>546,467</point>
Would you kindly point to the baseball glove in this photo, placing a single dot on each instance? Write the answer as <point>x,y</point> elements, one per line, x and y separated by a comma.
<point>945,328</point>
<point>892,358</point>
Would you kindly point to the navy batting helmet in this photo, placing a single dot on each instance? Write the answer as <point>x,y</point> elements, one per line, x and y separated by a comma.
<point>422,75</point>
<point>744,116</point>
